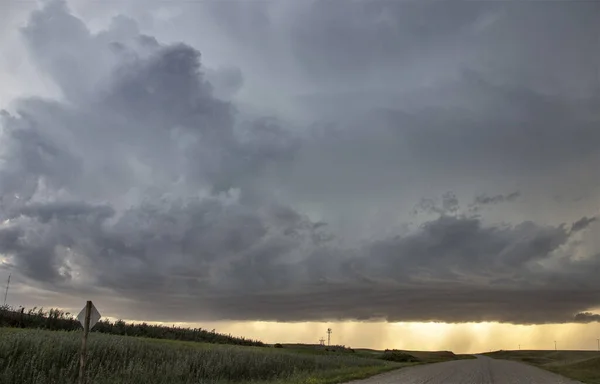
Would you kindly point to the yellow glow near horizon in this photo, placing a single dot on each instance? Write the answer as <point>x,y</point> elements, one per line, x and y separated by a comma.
<point>459,338</point>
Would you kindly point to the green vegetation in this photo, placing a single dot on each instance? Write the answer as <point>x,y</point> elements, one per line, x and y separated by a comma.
<point>40,356</point>
<point>422,357</point>
<point>58,320</point>
<point>42,347</point>
<point>316,349</point>
<point>399,356</point>
<point>579,365</point>
<point>437,356</point>
<point>426,357</point>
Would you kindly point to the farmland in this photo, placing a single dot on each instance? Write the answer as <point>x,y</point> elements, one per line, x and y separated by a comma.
<point>30,356</point>
<point>58,320</point>
<point>579,365</point>
<point>42,347</point>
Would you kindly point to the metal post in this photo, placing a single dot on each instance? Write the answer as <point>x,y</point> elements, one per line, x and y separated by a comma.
<point>86,330</point>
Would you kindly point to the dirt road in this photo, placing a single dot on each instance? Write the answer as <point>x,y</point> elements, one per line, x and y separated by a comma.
<point>482,370</point>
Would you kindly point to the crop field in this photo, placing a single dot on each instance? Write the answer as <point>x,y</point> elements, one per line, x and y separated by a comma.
<point>58,320</point>
<point>30,356</point>
<point>579,365</point>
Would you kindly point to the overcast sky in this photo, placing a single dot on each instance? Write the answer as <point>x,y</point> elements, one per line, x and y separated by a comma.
<point>303,161</point>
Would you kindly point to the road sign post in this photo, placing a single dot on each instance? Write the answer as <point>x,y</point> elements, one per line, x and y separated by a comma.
<point>88,317</point>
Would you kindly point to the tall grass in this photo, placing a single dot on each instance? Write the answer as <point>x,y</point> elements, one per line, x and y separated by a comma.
<point>55,319</point>
<point>43,357</point>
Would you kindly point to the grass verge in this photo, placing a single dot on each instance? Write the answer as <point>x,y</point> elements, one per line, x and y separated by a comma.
<point>583,366</point>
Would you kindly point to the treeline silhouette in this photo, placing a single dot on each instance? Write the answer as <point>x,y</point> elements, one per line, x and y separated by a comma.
<point>58,320</point>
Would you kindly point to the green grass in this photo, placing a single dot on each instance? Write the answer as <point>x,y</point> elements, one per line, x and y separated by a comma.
<point>438,356</point>
<point>424,357</point>
<point>58,320</point>
<point>579,365</point>
<point>38,356</point>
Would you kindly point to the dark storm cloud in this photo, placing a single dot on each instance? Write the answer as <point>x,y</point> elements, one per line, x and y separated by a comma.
<point>236,264</point>
<point>382,44</point>
<point>468,129</point>
<point>9,237</point>
<point>228,81</point>
<point>484,199</point>
<point>447,248</point>
<point>446,304</point>
<point>144,180</point>
<point>449,204</point>
<point>333,42</point>
<point>508,127</point>
<point>587,317</point>
<point>63,211</point>
<point>583,223</point>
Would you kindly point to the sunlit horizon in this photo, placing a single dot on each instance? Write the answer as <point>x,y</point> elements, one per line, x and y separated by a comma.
<point>460,338</point>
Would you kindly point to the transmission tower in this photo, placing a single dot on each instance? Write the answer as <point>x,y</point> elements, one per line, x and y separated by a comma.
<point>329,336</point>
<point>321,341</point>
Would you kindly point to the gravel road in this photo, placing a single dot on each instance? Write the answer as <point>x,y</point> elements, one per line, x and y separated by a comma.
<point>482,370</point>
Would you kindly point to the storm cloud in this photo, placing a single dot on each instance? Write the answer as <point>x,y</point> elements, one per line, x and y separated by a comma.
<point>149,178</point>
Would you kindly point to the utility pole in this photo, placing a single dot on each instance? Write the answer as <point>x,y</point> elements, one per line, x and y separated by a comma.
<point>6,292</point>
<point>598,340</point>
<point>329,336</point>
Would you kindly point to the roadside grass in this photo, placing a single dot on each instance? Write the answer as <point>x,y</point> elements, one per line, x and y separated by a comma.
<point>438,356</point>
<point>51,357</point>
<point>583,366</point>
<point>465,357</point>
<point>423,357</point>
<point>587,371</point>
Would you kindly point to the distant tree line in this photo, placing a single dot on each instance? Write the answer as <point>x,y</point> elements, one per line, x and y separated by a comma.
<point>55,319</point>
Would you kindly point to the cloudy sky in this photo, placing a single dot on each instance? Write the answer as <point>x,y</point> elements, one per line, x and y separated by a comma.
<point>377,165</point>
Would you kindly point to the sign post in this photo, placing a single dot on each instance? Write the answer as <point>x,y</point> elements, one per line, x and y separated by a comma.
<point>88,317</point>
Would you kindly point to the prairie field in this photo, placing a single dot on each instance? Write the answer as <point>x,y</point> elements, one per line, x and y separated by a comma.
<point>29,356</point>
<point>579,365</point>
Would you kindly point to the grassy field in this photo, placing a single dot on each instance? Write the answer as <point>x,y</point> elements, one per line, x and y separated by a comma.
<point>437,356</point>
<point>44,357</point>
<point>579,365</point>
<point>59,320</point>
<point>423,357</point>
